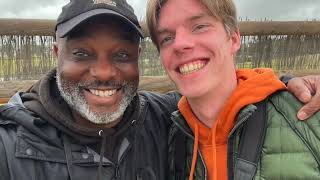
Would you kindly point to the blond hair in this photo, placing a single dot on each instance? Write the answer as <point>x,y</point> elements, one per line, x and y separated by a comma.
<point>223,10</point>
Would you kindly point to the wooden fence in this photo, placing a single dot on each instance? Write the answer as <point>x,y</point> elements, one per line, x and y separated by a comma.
<point>25,51</point>
<point>40,27</point>
<point>25,48</point>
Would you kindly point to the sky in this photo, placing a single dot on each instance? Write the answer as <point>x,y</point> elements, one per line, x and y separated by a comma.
<point>281,10</point>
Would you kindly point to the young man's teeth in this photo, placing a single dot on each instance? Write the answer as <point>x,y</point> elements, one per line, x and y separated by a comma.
<point>191,67</point>
<point>106,93</point>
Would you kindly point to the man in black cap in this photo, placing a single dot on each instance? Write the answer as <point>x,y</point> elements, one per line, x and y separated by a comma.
<point>85,119</point>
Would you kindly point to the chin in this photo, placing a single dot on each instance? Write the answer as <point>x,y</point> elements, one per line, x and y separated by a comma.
<point>101,110</point>
<point>191,92</point>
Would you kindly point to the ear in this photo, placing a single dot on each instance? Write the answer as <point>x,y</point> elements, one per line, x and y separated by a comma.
<point>140,49</point>
<point>236,41</point>
<point>55,49</point>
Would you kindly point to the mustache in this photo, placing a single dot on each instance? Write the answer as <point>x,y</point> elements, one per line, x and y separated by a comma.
<point>96,84</point>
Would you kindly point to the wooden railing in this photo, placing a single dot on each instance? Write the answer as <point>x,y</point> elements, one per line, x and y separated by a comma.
<point>34,27</point>
<point>39,27</point>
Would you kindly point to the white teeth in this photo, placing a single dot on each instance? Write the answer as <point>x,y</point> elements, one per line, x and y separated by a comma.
<point>106,93</point>
<point>101,93</point>
<point>191,67</point>
<point>184,69</point>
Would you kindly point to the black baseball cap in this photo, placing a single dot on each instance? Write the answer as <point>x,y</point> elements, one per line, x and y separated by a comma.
<point>78,11</point>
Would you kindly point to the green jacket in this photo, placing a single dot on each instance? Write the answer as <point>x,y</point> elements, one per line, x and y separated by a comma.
<point>291,148</point>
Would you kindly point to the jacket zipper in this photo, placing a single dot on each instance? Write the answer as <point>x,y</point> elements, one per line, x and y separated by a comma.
<point>117,173</point>
<point>190,136</point>
<point>117,165</point>
<point>239,123</point>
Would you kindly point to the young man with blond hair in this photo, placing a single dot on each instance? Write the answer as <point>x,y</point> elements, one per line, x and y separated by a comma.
<point>198,41</point>
<point>85,119</point>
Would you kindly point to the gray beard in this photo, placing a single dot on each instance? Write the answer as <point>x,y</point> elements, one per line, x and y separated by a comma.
<point>73,94</point>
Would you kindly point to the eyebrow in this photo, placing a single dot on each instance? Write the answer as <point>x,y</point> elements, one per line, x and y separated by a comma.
<point>190,19</point>
<point>162,31</point>
<point>196,17</point>
<point>124,36</point>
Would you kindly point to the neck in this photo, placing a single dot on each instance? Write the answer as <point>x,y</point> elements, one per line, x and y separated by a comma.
<point>208,107</point>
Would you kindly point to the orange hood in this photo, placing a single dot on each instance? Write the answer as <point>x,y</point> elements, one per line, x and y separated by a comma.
<point>254,85</point>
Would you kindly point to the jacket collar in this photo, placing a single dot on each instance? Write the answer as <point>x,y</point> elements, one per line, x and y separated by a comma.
<point>178,119</point>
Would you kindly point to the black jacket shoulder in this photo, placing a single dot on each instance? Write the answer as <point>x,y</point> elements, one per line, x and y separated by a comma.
<point>166,102</point>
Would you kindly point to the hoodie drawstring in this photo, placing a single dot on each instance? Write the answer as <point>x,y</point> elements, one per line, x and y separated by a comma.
<point>67,151</point>
<point>102,151</point>
<point>214,155</point>
<point>195,152</point>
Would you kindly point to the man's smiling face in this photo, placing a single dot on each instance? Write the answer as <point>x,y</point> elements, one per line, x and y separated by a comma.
<point>98,69</point>
<point>195,48</point>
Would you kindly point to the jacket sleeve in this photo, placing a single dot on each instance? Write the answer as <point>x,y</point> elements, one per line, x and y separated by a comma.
<point>174,98</point>
<point>4,170</point>
<point>286,78</point>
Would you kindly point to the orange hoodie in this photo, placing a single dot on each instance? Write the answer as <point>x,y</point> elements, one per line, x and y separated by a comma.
<point>253,86</point>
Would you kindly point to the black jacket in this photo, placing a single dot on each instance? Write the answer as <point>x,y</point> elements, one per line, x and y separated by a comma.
<point>36,145</point>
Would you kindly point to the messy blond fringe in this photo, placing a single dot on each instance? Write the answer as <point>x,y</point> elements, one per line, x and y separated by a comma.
<point>223,10</point>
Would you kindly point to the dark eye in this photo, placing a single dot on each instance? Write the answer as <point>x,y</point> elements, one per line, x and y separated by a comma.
<point>200,27</point>
<point>121,56</point>
<point>80,53</point>
<point>166,40</point>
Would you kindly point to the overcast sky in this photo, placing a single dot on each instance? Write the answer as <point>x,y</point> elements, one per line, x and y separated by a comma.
<point>252,9</point>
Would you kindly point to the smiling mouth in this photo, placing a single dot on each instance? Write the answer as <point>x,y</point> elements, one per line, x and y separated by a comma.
<point>103,93</point>
<point>191,67</point>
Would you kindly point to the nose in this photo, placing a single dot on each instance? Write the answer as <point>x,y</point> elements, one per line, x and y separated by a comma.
<point>103,69</point>
<point>183,41</point>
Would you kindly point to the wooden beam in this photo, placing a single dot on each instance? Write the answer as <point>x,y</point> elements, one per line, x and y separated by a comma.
<point>30,27</point>
<point>42,27</point>
<point>279,28</point>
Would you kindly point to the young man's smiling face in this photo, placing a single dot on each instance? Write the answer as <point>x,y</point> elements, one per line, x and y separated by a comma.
<point>98,69</point>
<point>195,48</point>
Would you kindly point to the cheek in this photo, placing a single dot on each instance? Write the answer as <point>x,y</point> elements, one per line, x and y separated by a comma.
<point>129,71</point>
<point>165,59</point>
<point>222,49</point>
<point>72,70</point>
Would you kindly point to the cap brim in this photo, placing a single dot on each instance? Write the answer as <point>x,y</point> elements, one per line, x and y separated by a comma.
<point>64,28</point>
